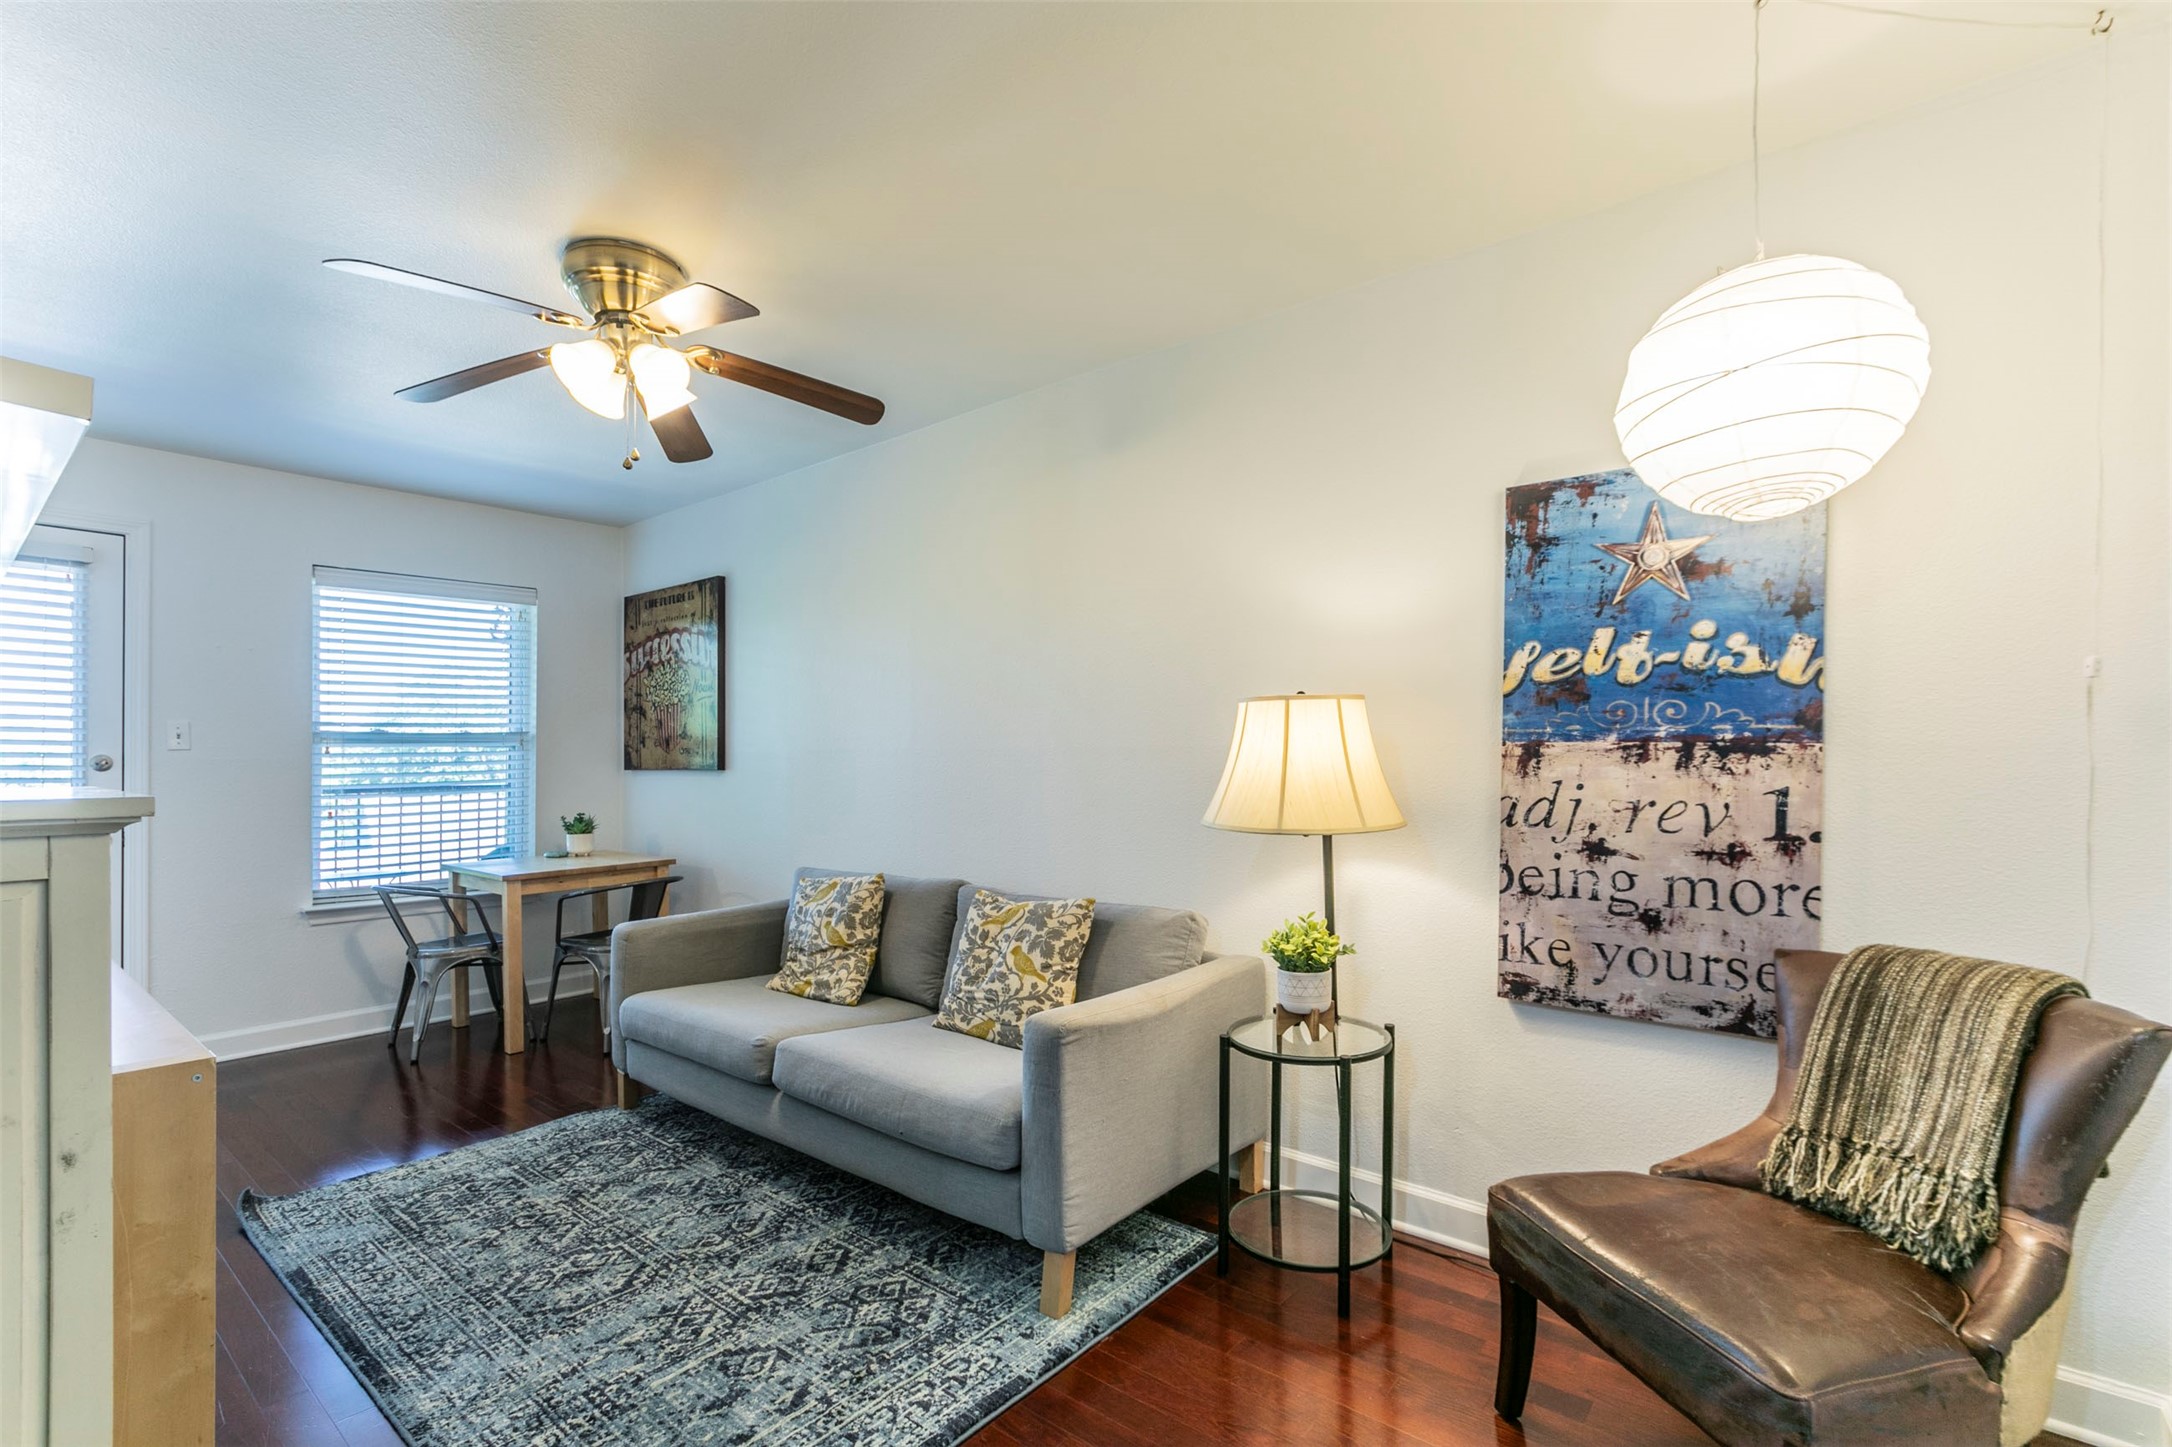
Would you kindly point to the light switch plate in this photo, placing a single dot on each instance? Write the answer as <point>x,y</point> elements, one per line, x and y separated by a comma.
<point>177,734</point>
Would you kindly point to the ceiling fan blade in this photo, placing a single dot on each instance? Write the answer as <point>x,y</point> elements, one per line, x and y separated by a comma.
<point>681,436</point>
<point>454,288</point>
<point>694,307</point>
<point>810,391</point>
<point>452,384</point>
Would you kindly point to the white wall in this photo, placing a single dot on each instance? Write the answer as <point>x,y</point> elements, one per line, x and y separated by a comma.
<point>231,551</point>
<point>1009,646</point>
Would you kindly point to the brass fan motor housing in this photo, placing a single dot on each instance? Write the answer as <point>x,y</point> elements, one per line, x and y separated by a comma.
<point>609,274</point>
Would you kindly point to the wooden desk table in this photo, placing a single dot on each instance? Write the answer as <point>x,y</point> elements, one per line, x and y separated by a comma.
<point>514,880</point>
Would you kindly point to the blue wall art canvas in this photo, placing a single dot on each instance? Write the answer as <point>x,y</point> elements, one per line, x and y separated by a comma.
<point>1662,754</point>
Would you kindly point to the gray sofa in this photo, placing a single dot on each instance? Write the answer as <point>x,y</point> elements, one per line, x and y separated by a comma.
<point>1111,1103</point>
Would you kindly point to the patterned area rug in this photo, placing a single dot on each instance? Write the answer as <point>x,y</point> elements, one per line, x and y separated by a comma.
<point>650,1277</point>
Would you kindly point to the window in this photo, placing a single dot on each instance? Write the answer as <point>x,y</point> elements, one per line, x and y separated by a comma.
<point>424,727</point>
<point>44,692</point>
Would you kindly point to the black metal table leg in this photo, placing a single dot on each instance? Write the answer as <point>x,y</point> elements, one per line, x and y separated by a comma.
<point>1387,1144</point>
<point>1262,1230</point>
<point>1221,1176</point>
<point>1342,1189</point>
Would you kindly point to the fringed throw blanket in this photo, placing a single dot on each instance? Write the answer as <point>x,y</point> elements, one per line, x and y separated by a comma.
<point>1900,1110</point>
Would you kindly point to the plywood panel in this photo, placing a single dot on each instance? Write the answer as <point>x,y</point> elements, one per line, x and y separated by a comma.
<point>165,1253</point>
<point>79,1143</point>
<point>22,1156</point>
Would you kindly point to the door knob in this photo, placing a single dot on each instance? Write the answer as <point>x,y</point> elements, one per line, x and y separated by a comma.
<point>100,763</point>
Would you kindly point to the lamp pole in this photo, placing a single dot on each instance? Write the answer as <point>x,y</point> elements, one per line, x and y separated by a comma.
<point>1327,883</point>
<point>1327,877</point>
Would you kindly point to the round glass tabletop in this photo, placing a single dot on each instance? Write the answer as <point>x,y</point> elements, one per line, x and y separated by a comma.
<point>1347,1039</point>
<point>1302,1229</point>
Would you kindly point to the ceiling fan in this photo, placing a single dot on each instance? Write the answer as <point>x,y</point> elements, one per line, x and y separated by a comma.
<point>638,303</point>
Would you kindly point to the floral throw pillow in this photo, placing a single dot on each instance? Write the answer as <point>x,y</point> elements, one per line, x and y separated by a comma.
<point>830,936</point>
<point>1015,958</point>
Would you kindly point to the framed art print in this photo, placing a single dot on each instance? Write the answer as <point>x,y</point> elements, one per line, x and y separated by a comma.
<point>1662,754</point>
<point>674,677</point>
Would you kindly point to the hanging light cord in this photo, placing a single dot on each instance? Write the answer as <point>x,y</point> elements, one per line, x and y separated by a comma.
<point>2095,25</point>
<point>2096,573</point>
<point>1757,106</point>
<point>2099,25</point>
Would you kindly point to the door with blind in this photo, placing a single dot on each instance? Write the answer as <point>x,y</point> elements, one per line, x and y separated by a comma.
<point>62,683</point>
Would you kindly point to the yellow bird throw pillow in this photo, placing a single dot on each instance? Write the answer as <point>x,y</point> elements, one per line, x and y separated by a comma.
<point>1015,958</point>
<point>830,935</point>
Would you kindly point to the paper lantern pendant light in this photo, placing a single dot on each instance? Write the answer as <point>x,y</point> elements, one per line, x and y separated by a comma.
<point>1772,386</point>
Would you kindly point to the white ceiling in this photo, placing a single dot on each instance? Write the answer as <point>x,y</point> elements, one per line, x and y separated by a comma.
<point>942,204</point>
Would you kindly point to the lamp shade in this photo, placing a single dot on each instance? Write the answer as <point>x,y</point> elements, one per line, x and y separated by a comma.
<point>1772,387</point>
<point>1303,763</point>
<point>589,370</point>
<point>661,375</point>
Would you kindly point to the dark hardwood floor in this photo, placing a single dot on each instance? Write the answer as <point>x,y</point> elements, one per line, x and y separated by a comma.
<point>1257,1357</point>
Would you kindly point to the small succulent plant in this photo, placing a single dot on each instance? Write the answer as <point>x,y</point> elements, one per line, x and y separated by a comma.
<point>1306,946</point>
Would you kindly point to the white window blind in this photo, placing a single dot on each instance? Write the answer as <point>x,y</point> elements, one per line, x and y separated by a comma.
<point>425,727</point>
<point>44,693</point>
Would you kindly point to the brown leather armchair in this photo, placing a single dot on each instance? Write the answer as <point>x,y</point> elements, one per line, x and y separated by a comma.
<point>1765,1322</point>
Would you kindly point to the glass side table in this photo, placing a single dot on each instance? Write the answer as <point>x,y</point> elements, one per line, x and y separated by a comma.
<point>1312,1230</point>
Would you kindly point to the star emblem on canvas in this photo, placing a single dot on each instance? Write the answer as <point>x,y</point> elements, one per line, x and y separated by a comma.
<point>1653,558</point>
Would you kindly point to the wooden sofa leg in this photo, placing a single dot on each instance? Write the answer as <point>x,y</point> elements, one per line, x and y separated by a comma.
<point>1252,1168</point>
<point>630,1090</point>
<point>1519,1333</point>
<point>1057,1268</point>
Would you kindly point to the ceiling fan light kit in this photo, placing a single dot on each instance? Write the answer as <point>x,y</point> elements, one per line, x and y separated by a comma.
<point>661,376</point>
<point>638,301</point>
<point>589,372</point>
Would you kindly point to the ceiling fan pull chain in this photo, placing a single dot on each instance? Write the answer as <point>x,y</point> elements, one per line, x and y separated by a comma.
<point>633,453</point>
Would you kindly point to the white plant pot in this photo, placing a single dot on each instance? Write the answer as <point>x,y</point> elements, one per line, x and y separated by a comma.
<point>1301,993</point>
<point>580,844</point>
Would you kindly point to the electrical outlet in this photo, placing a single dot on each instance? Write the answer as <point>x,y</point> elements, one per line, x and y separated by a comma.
<point>177,734</point>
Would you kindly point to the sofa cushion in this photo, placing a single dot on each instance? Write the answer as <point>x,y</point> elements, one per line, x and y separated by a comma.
<point>945,1092</point>
<point>1015,958</point>
<point>918,919</point>
<point>1759,1319</point>
<point>830,934</point>
<point>1130,943</point>
<point>734,1025</point>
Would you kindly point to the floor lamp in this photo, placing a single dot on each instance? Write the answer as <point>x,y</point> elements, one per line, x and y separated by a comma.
<point>1304,763</point>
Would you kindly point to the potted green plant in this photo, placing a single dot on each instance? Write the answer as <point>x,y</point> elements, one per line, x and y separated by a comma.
<point>1304,952</point>
<point>580,833</point>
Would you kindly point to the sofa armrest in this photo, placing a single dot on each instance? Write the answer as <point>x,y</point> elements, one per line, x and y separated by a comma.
<point>1122,1097</point>
<point>691,949</point>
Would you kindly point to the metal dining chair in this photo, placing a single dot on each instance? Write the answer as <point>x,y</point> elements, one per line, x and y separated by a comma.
<point>430,960</point>
<point>593,948</point>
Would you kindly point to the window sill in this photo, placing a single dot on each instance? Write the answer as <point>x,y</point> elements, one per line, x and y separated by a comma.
<point>346,911</point>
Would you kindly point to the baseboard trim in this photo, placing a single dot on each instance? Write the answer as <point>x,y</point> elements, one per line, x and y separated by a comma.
<point>341,1025</point>
<point>2108,1413</point>
<point>2089,1408</point>
<point>1420,1211</point>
